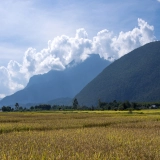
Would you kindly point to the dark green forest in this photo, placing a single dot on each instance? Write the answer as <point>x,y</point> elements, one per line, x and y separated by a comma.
<point>134,77</point>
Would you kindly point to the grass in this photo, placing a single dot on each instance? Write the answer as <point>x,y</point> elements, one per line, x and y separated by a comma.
<point>80,135</point>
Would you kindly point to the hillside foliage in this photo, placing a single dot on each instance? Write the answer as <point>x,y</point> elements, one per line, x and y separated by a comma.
<point>134,77</point>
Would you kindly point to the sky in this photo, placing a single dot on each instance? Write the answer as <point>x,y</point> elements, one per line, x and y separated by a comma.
<point>39,35</point>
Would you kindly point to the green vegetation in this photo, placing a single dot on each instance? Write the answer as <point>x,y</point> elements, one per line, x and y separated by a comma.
<point>81,135</point>
<point>7,109</point>
<point>75,103</point>
<point>121,106</point>
<point>134,77</point>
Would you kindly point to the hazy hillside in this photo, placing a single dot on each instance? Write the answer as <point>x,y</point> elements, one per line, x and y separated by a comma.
<point>58,84</point>
<point>134,77</point>
<point>61,101</point>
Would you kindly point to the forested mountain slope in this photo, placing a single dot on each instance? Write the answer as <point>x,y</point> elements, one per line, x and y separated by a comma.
<point>133,77</point>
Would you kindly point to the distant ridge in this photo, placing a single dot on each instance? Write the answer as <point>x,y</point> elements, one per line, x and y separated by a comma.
<point>61,101</point>
<point>55,85</point>
<point>133,77</point>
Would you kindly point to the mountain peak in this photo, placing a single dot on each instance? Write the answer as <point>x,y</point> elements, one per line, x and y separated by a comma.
<point>58,84</point>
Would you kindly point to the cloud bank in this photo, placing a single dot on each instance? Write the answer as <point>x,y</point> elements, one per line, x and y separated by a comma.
<point>64,49</point>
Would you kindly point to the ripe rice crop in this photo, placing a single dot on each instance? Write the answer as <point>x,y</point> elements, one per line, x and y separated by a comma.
<point>99,135</point>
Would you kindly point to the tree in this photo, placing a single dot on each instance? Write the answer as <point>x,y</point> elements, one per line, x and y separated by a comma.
<point>121,107</point>
<point>102,104</point>
<point>20,108</point>
<point>31,108</point>
<point>6,109</point>
<point>17,106</point>
<point>43,107</point>
<point>75,103</point>
<point>134,105</point>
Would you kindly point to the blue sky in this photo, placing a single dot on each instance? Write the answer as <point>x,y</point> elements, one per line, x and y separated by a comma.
<point>27,24</point>
<point>31,23</point>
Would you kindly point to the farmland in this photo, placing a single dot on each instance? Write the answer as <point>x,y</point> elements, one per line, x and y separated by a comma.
<point>80,135</point>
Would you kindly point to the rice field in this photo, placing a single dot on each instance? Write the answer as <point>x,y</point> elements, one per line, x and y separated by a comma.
<point>80,135</point>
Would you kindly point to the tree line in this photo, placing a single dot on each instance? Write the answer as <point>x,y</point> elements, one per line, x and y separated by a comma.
<point>114,105</point>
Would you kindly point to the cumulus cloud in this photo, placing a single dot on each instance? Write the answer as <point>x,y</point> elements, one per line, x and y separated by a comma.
<point>64,49</point>
<point>81,33</point>
<point>7,84</point>
<point>102,44</point>
<point>127,41</point>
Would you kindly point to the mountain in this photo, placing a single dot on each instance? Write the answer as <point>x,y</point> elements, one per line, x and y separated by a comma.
<point>61,101</point>
<point>133,77</point>
<point>58,84</point>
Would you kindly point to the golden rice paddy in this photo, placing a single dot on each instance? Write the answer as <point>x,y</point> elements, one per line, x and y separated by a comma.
<point>81,135</point>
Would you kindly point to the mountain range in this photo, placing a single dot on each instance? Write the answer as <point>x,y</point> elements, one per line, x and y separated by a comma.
<point>57,87</point>
<point>133,77</point>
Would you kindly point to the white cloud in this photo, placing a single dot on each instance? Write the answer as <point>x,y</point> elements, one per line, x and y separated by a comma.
<point>2,96</point>
<point>60,52</point>
<point>81,33</point>
<point>102,44</point>
<point>7,84</point>
<point>64,49</point>
<point>158,0</point>
<point>127,41</point>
